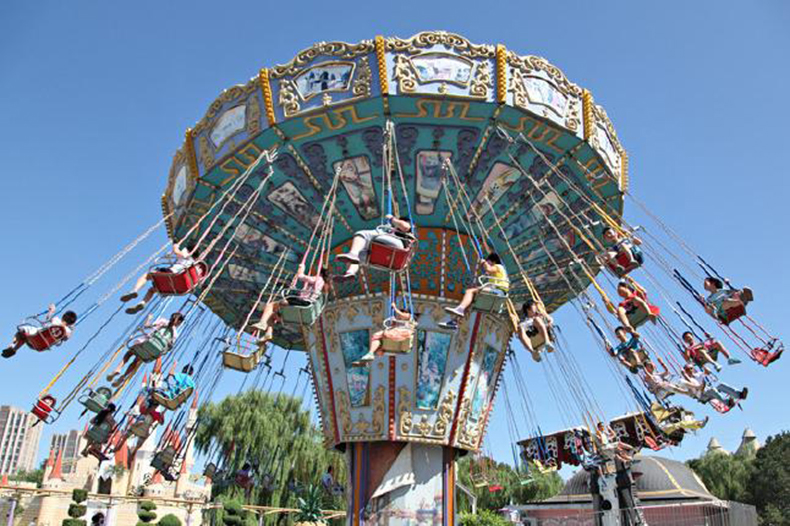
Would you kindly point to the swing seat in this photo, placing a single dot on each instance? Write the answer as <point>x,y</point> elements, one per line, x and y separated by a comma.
<point>488,302</point>
<point>179,283</point>
<point>638,316</point>
<point>622,264</point>
<point>163,460</point>
<point>43,409</point>
<point>155,345</point>
<point>397,346</point>
<point>300,314</point>
<point>386,257</point>
<point>95,401</point>
<point>730,315</point>
<point>242,362</point>
<point>172,403</point>
<point>142,426</point>
<point>243,481</point>
<point>99,434</point>
<point>46,337</point>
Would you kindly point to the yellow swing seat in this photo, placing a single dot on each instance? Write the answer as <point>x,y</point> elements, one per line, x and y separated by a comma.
<point>172,403</point>
<point>163,460</point>
<point>398,346</point>
<point>247,355</point>
<point>142,426</point>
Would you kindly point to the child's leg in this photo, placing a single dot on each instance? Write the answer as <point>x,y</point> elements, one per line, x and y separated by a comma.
<point>149,294</point>
<point>357,245</point>
<point>468,298</point>
<point>375,342</point>
<point>622,315</point>
<point>141,281</point>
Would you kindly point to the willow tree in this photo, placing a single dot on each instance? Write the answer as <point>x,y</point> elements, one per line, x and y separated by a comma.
<point>497,484</point>
<point>272,432</point>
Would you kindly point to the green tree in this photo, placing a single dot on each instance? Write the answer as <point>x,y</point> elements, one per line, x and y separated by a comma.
<point>483,475</point>
<point>482,518</point>
<point>725,476</point>
<point>274,432</point>
<point>769,484</point>
<point>35,475</point>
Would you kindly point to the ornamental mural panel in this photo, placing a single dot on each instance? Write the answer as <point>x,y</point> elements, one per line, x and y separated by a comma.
<point>484,383</point>
<point>429,179</point>
<point>357,180</point>
<point>442,67</point>
<point>354,345</point>
<point>498,181</point>
<point>292,202</point>
<point>432,349</point>
<point>322,78</point>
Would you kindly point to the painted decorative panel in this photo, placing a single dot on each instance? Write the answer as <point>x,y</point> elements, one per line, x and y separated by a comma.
<point>354,345</point>
<point>432,349</point>
<point>357,180</point>
<point>484,382</point>
<point>429,179</point>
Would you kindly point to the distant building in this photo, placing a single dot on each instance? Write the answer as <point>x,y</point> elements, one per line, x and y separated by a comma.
<point>669,493</point>
<point>715,447</point>
<point>749,443</point>
<point>18,440</point>
<point>69,445</point>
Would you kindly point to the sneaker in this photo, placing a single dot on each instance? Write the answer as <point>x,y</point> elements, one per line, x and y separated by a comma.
<point>137,308</point>
<point>744,393</point>
<point>348,258</point>
<point>746,294</point>
<point>128,297</point>
<point>536,356</point>
<point>455,311</point>
<point>451,325</point>
<point>348,276</point>
<point>717,366</point>
<point>549,347</point>
<point>8,352</point>
<point>733,361</point>
<point>364,360</point>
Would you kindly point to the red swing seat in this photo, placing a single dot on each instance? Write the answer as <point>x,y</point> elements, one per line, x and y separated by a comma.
<point>389,258</point>
<point>179,283</point>
<point>43,409</point>
<point>732,314</point>
<point>46,337</point>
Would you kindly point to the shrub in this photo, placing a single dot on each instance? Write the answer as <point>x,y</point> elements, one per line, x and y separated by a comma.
<point>79,495</point>
<point>482,518</point>
<point>146,513</point>
<point>77,510</point>
<point>169,520</point>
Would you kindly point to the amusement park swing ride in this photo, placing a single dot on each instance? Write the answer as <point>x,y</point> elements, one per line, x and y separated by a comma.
<point>406,214</point>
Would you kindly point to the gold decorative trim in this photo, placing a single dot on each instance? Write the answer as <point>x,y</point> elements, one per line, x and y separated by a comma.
<point>381,58</point>
<point>429,39</point>
<point>190,153</point>
<point>404,74</point>
<point>266,88</point>
<point>481,80</point>
<point>501,73</point>
<point>587,105</point>
<point>623,170</point>
<point>331,49</point>
<point>238,93</point>
<point>362,83</point>
<point>288,98</point>
<point>168,218</point>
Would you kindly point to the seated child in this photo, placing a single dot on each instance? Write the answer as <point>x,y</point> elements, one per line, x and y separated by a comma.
<point>175,384</point>
<point>659,383</point>
<point>183,261</point>
<point>496,282</point>
<point>167,327</point>
<point>401,330</point>
<point>312,287</point>
<point>623,253</point>
<point>634,299</point>
<point>699,388</point>
<point>720,299</point>
<point>103,418</point>
<point>629,351</point>
<point>59,329</point>
<point>534,324</point>
<point>703,353</point>
<point>401,237</point>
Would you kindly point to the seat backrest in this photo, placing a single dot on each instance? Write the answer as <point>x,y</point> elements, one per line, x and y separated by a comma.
<point>46,337</point>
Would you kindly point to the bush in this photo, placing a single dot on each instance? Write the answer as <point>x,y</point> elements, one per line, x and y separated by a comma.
<point>233,513</point>
<point>146,516</point>
<point>73,522</point>
<point>147,505</point>
<point>79,495</point>
<point>482,518</point>
<point>77,510</point>
<point>169,520</point>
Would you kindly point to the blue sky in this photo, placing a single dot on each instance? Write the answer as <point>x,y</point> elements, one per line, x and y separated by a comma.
<point>95,97</point>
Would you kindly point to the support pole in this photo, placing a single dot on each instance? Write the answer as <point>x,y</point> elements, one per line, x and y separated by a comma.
<point>11,510</point>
